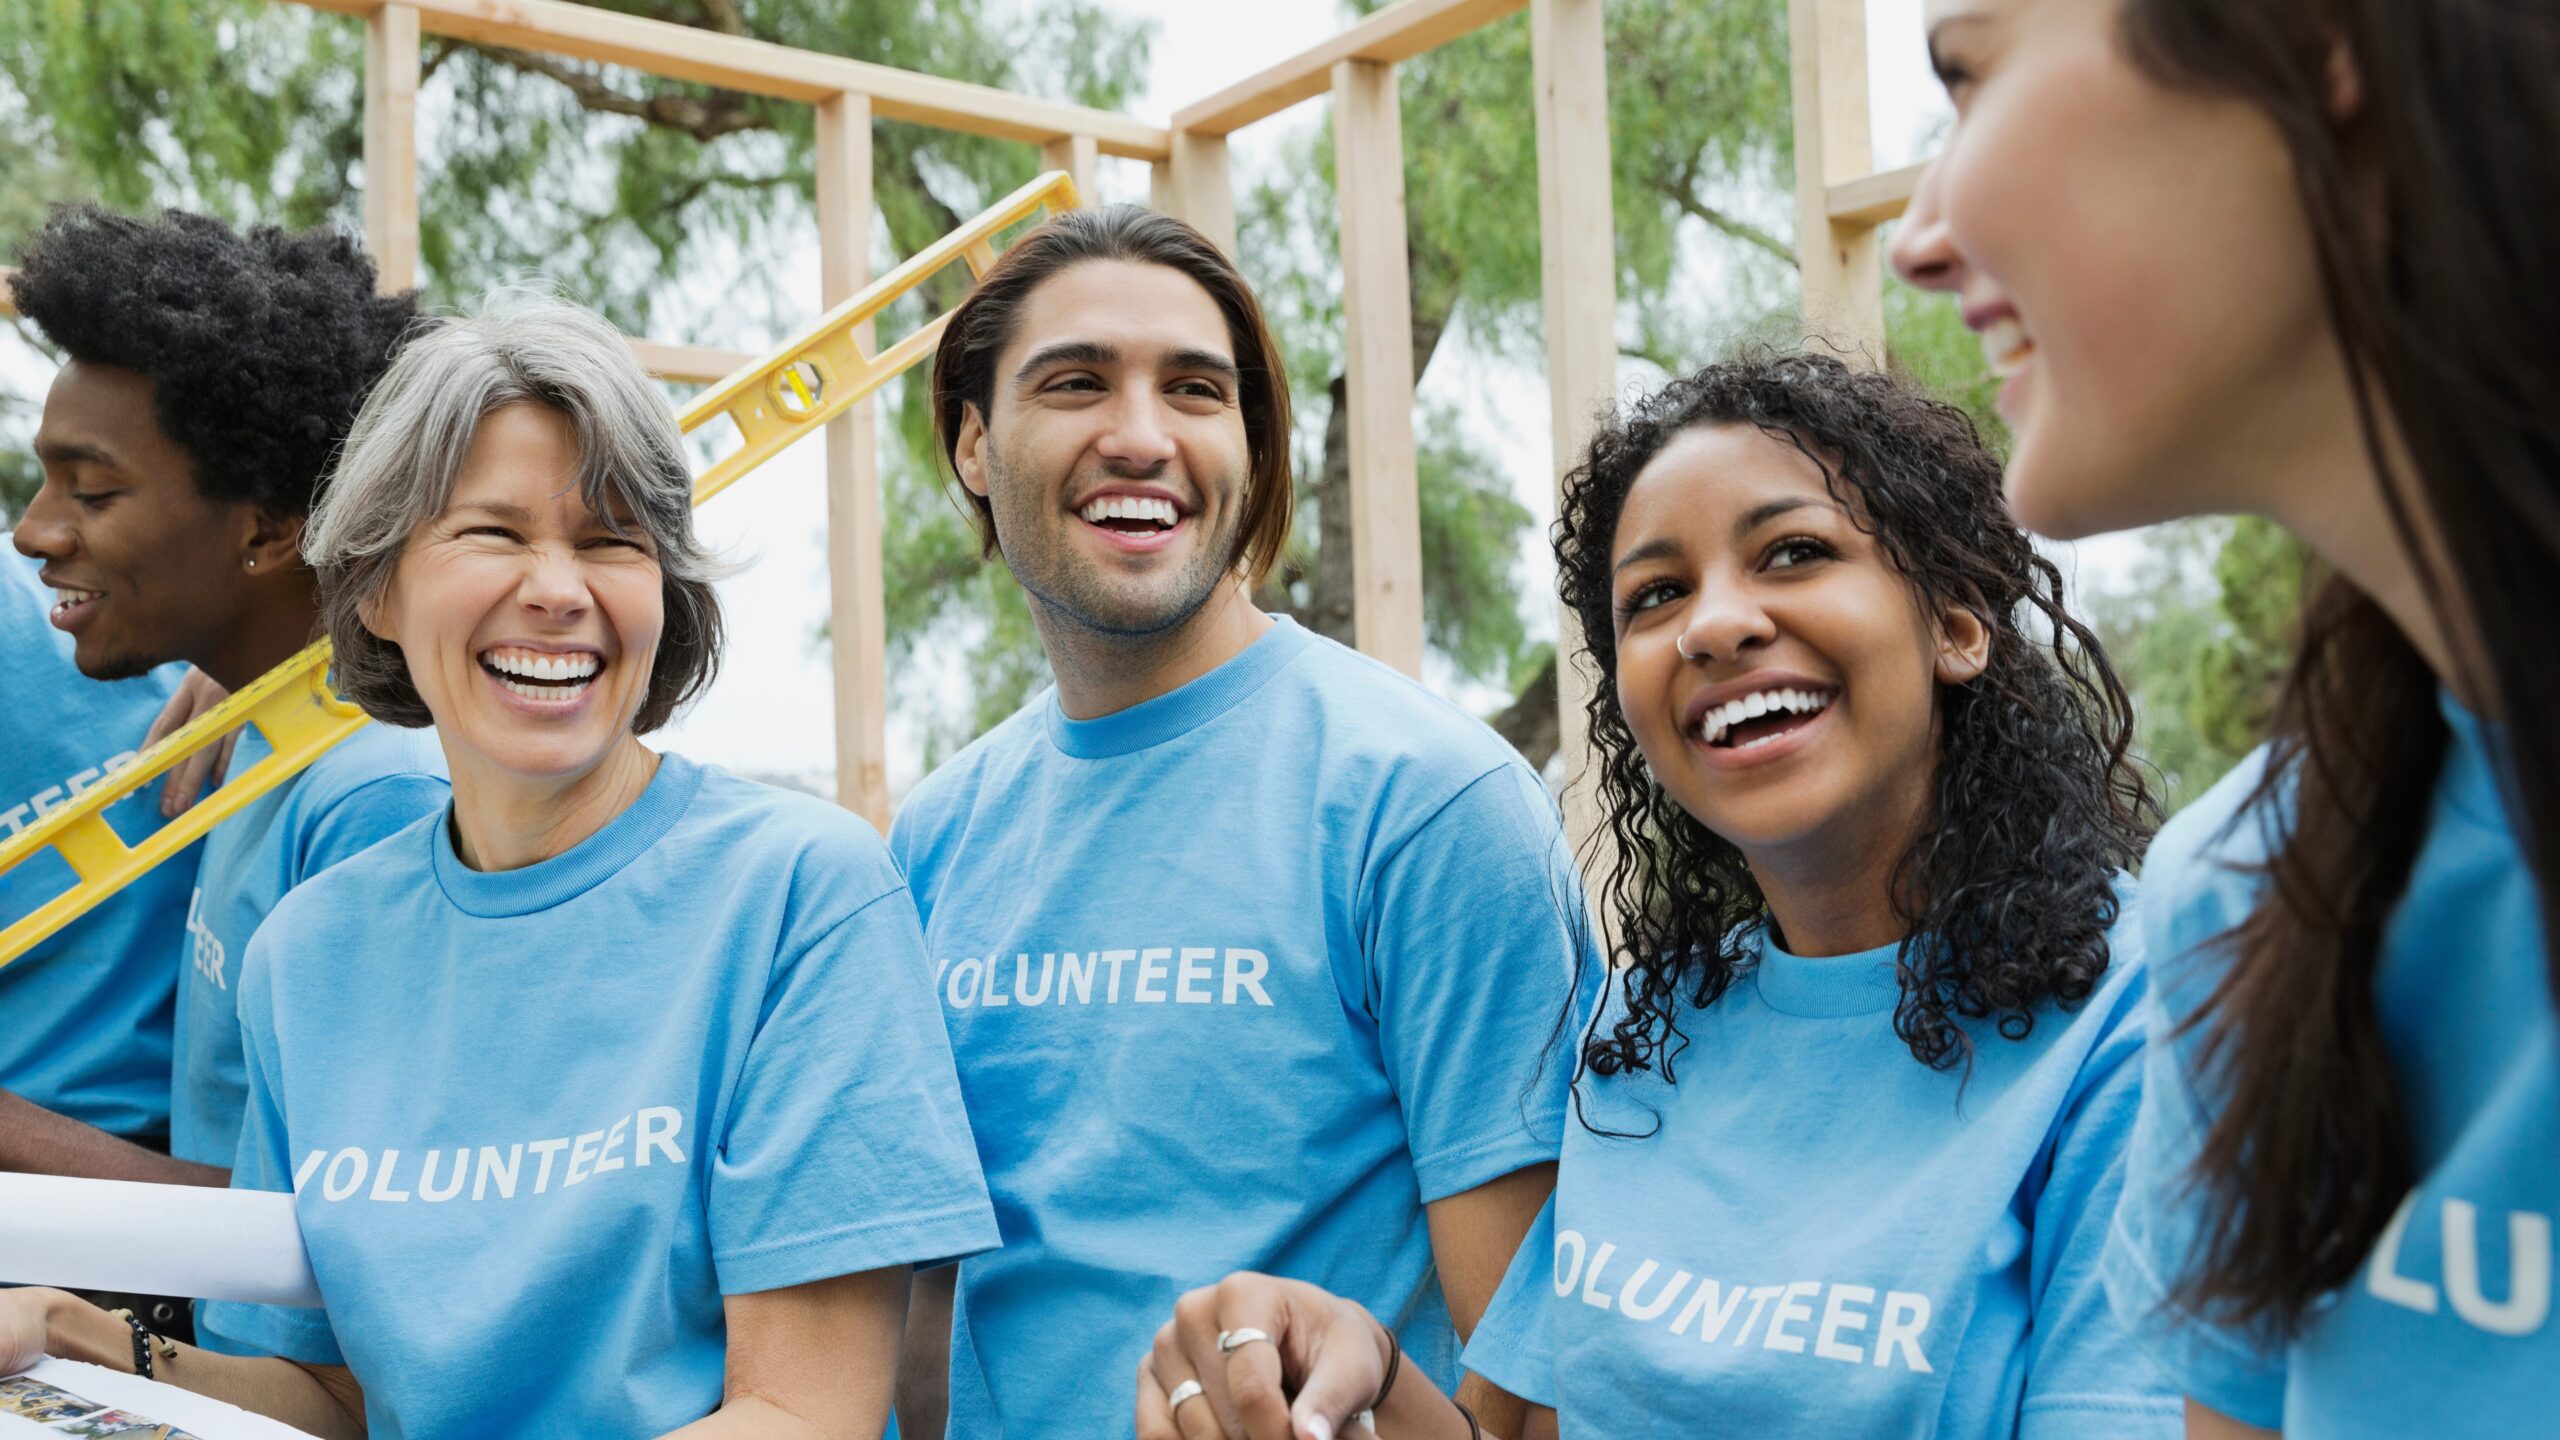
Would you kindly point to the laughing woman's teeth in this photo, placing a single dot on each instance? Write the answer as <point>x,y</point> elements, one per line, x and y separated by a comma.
<point>2005,346</point>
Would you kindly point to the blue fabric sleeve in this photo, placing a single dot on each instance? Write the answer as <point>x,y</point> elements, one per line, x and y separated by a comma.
<point>2085,1375</point>
<point>366,816</point>
<point>264,1163</point>
<point>2153,1239</point>
<point>1512,1346</point>
<point>849,1105</point>
<point>1472,925</point>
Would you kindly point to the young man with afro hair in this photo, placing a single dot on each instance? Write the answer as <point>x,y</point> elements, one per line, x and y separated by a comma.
<point>209,377</point>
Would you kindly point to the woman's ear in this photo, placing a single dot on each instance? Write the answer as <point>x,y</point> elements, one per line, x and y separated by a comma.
<point>1964,646</point>
<point>2345,86</point>
<point>374,612</point>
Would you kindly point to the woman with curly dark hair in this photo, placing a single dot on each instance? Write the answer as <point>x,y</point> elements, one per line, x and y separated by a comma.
<point>1854,1107</point>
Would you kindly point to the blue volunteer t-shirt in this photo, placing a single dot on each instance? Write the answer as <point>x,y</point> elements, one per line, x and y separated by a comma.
<point>1812,1233</point>
<point>2448,1329</point>
<point>376,781</point>
<point>1239,978</point>
<point>538,1122</point>
<point>84,1016</point>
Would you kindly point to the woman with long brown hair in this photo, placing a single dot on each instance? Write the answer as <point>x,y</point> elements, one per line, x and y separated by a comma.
<point>2287,259</point>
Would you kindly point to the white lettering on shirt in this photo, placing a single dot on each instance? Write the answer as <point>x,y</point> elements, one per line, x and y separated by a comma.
<point>2527,1306</point>
<point>49,799</point>
<point>1151,973</point>
<point>209,953</point>
<point>654,1132</point>
<point>1584,1268</point>
<point>1232,975</point>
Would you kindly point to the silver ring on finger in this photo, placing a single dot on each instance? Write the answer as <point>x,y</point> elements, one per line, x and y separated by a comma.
<point>1230,1341</point>
<point>1187,1390</point>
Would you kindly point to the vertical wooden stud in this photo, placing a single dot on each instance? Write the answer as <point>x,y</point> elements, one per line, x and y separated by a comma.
<point>858,606</point>
<point>1202,192</point>
<point>391,145</point>
<point>1579,276</point>
<point>1377,319</point>
<point>1841,264</point>
<point>1160,192</point>
<point>1075,154</point>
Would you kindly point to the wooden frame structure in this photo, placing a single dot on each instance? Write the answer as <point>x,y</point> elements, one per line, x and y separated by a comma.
<point>1841,200</point>
<point>1840,207</point>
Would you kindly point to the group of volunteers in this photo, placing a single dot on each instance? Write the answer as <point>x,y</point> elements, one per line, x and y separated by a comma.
<point>1224,1047</point>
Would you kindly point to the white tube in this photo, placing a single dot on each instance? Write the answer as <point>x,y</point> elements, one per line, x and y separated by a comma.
<point>183,1240</point>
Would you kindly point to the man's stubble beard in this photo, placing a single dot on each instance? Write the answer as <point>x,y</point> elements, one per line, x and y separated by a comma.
<point>1075,594</point>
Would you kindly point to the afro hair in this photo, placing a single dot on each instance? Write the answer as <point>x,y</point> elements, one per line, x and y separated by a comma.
<point>262,345</point>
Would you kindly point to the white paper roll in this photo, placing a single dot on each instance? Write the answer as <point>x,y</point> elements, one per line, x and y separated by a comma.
<point>185,1240</point>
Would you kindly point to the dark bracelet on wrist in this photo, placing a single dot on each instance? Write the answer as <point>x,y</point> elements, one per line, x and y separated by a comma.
<point>142,1338</point>
<point>1474,1430</point>
<point>1395,1362</point>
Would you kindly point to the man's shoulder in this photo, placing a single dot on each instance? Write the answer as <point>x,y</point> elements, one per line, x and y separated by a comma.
<point>1002,750</point>
<point>1380,726</point>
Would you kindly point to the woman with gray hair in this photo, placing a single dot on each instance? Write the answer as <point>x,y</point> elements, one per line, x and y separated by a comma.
<point>614,1100</point>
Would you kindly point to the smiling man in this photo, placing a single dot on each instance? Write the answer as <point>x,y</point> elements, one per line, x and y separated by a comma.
<point>210,376</point>
<point>1251,948</point>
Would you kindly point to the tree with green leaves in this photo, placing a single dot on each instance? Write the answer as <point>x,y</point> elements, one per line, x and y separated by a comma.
<point>615,185</point>
<point>2202,629</point>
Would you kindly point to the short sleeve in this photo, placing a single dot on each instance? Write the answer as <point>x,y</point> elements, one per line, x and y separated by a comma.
<point>2085,1375</point>
<point>1513,1346</point>
<point>264,1162</point>
<point>2153,1242</point>
<point>1474,925</point>
<point>366,816</point>
<point>846,1148</point>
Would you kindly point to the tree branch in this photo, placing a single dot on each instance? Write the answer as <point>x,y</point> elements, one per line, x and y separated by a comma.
<point>1683,190</point>
<point>705,119</point>
<point>725,16</point>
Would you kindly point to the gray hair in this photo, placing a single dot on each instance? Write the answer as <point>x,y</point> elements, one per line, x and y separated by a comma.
<point>400,462</point>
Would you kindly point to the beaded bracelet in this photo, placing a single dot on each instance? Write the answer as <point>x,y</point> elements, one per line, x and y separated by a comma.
<point>141,1343</point>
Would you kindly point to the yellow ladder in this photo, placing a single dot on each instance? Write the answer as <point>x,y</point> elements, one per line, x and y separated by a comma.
<point>807,381</point>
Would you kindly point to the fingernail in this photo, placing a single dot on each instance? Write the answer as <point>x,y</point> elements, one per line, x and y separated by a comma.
<point>1317,1428</point>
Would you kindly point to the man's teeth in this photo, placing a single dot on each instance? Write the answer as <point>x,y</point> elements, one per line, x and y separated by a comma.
<point>2005,346</point>
<point>1130,507</point>
<point>1724,717</point>
<point>63,595</point>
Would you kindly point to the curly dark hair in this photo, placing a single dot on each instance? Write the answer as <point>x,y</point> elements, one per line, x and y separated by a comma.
<point>2037,804</point>
<point>262,345</point>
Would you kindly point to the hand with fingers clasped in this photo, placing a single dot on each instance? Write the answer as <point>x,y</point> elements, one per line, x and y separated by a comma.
<point>1256,1357</point>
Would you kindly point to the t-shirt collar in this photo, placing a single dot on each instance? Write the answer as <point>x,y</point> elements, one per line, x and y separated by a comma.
<point>2473,757</point>
<point>589,863</point>
<point>1830,986</point>
<point>1181,710</point>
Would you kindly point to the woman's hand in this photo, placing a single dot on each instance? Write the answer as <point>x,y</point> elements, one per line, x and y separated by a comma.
<point>24,1327</point>
<point>203,770</point>
<point>1326,1352</point>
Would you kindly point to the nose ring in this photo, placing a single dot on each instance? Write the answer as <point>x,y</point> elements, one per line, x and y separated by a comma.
<point>1680,643</point>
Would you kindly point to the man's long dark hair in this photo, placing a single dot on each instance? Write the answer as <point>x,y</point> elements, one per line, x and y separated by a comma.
<point>2445,309</point>
<point>2036,806</point>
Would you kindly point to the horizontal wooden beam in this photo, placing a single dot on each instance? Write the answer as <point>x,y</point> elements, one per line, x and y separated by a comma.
<point>690,364</point>
<point>1395,34</point>
<point>756,67</point>
<point>1872,199</point>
